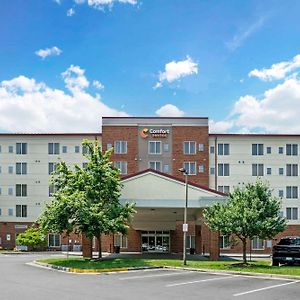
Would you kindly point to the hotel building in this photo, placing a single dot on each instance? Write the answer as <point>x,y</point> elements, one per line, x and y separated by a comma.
<point>149,152</point>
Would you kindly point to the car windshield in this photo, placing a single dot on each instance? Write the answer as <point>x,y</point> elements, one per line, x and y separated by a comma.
<point>295,241</point>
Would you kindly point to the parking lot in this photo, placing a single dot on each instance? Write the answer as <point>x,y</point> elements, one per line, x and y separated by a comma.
<point>18,280</point>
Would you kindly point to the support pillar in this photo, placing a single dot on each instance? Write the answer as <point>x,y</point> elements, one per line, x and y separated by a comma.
<point>214,249</point>
<point>86,247</point>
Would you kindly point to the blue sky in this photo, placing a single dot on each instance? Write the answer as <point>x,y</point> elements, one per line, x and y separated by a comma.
<point>65,63</point>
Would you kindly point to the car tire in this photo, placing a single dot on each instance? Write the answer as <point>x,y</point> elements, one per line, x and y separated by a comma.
<point>275,263</point>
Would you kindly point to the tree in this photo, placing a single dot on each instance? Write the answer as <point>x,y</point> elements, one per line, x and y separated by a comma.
<point>250,212</point>
<point>33,238</point>
<point>87,199</point>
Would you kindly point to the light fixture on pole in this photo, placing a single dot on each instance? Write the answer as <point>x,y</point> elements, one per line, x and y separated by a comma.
<point>185,225</point>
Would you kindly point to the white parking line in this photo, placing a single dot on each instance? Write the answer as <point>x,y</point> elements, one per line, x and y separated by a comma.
<point>265,288</point>
<point>155,275</point>
<point>198,281</point>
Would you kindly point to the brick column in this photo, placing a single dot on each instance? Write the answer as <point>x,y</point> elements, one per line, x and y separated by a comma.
<point>214,250</point>
<point>86,247</point>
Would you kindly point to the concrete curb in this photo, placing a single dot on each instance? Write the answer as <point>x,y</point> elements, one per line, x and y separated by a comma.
<point>89,271</point>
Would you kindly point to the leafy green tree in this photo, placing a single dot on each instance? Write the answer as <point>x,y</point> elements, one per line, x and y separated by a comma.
<point>33,238</point>
<point>87,199</point>
<point>250,211</point>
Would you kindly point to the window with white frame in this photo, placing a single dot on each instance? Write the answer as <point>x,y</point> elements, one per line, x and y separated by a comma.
<point>85,149</point>
<point>120,147</point>
<point>10,149</point>
<point>190,241</point>
<point>10,169</point>
<point>10,191</point>
<point>189,147</point>
<point>53,240</point>
<point>280,193</point>
<point>257,149</point>
<point>53,148</point>
<point>201,147</point>
<point>120,240</point>
<point>155,165</point>
<point>166,147</point>
<point>154,147</point>
<point>291,149</point>
<point>224,189</point>
<point>212,170</point>
<point>269,171</point>
<point>77,149</point>
<point>280,171</point>
<point>64,149</point>
<point>223,170</point>
<point>51,167</point>
<point>280,150</point>
<point>292,192</point>
<point>224,242</point>
<point>10,212</point>
<point>21,211</point>
<point>292,213</point>
<point>257,243</point>
<point>212,149</point>
<point>122,166</point>
<point>201,168</point>
<point>269,150</point>
<point>292,170</point>
<point>166,168</point>
<point>21,190</point>
<point>52,190</point>
<point>21,168</point>
<point>223,149</point>
<point>190,167</point>
<point>257,170</point>
<point>21,148</point>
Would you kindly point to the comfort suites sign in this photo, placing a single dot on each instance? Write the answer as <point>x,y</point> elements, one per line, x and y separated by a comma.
<point>154,133</point>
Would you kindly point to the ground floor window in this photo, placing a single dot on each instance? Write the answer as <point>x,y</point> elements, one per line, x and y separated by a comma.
<point>155,241</point>
<point>257,243</point>
<point>190,241</point>
<point>121,241</point>
<point>224,242</point>
<point>53,240</point>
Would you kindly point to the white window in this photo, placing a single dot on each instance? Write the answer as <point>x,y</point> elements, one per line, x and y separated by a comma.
<point>292,170</point>
<point>21,211</point>
<point>53,240</point>
<point>224,189</point>
<point>269,171</point>
<point>21,148</point>
<point>292,213</point>
<point>291,192</point>
<point>21,168</point>
<point>269,150</point>
<point>21,190</point>
<point>154,147</point>
<point>108,146</point>
<point>10,169</point>
<point>201,168</point>
<point>190,241</point>
<point>64,149</point>
<point>212,170</point>
<point>84,149</point>
<point>10,191</point>
<point>10,212</point>
<point>155,165</point>
<point>166,147</point>
<point>166,168</point>
<point>120,147</point>
<point>291,149</point>
<point>257,243</point>
<point>223,170</point>
<point>120,240</point>
<point>280,171</point>
<point>122,166</point>
<point>53,148</point>
<point>190,167</point>
<point>280,194</point>
<point>223,149</point>
<point>51,167</point>
<point>10,149</point>
<point>257,170</point>
<point>224,242</point>
<point>257,149</point>
<point>280,150</point>
<point>189,147</point>
<point>201,147</point>
<point>76,149</point>
<point>52,190</point>
<point>212,150</point>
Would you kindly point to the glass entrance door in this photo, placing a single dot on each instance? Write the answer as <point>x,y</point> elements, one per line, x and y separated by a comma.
<point>156,241</point>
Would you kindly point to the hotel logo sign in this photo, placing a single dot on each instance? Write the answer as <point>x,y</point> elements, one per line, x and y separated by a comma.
<point>154,133</point>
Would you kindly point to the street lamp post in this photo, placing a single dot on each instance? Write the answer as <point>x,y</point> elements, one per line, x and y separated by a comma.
<point>185,225</point>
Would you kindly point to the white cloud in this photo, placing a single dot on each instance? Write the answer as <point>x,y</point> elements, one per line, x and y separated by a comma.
<point>43,53</point>
<point>169,110</point>
<point>220,126</point>
<point>101,4</point>
<point>277,71</point>
<point>244,33</point>
<point>98,85</point>
<point>57,1</point>
<point>70,12</point>
<point>30,106</point>
<point>176,70</point>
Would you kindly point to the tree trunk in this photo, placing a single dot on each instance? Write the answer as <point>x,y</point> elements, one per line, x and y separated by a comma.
<point>244,250</point>
<point>99,247</point>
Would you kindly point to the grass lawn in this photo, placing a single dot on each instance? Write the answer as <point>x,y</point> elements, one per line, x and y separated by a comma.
<point>256,266</point>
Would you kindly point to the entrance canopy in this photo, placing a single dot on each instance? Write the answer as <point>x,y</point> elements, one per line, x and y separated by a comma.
<point>160,199</point>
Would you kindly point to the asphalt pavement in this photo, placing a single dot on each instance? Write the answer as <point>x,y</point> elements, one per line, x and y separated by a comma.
<point>20,280</point>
